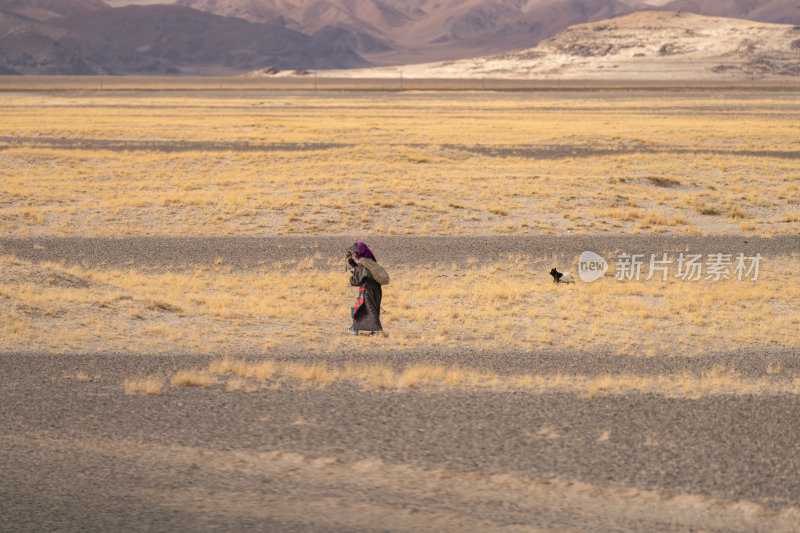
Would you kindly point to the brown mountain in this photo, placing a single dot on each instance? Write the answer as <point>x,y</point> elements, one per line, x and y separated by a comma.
<point>28,43</point>
<point>717,8</point>
<point>781,11</point>
<point>414,31</point>
<point>49,9</point>
<point>425,30</point>
<point>161,39</point>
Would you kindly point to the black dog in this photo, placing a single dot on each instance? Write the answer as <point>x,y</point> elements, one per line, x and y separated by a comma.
<point>561,277</point>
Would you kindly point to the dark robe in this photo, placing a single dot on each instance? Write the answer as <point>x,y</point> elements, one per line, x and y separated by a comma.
<point>368,315</point>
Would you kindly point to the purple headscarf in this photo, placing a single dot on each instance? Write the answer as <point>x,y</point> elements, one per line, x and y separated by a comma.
<point>360,250</point>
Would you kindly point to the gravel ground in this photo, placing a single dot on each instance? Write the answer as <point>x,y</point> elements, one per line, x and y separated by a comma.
<point>555,151</point>
<point>160,146</point>
<point>78,454</point>
<point>252,252</point>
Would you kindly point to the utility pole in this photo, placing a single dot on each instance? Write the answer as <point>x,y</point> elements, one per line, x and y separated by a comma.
<point>401,79</point>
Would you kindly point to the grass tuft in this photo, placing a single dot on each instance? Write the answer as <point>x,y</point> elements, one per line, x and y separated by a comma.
<point>153,385</point>
<point>736,212</point>
<point>191,378</point>
<point>706,209</point>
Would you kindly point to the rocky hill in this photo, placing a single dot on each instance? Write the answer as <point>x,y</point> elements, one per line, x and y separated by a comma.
<point>650,45</point>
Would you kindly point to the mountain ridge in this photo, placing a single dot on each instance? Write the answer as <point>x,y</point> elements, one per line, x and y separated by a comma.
<point>414,31</point>
<point>236,36</point>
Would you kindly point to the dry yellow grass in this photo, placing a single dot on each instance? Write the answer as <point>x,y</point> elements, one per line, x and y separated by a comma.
<point>240,384</point>
<point>718,380</point>
<point>190,378</point>
<point>400,159</point>
<point>215,309</point>
<point>150,385</point>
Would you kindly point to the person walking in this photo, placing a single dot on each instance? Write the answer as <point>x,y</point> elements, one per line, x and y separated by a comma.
<point>369,277</point>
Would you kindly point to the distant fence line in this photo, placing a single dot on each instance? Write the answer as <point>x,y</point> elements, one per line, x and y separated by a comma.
<point>400,83</point>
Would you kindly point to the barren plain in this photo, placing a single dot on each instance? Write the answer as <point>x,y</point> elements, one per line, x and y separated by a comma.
<point>173,306</point>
